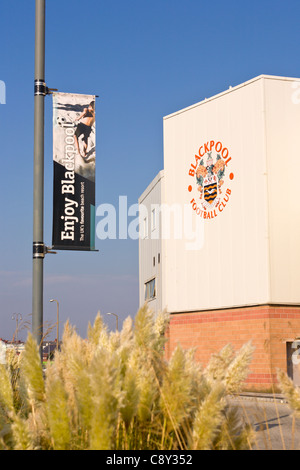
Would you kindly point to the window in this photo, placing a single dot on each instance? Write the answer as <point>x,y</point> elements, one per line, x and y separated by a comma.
<point>145,227</point>
<point>153,219</point>
<point>150,291</point>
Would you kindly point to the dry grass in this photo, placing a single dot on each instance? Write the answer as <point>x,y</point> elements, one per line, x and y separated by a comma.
<point>116,391</point>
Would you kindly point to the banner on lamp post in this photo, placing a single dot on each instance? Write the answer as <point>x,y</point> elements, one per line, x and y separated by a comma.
<point>74,157</point>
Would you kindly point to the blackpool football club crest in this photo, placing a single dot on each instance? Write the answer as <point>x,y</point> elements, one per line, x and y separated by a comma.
<point>210,174</point>
<point>210,178</point>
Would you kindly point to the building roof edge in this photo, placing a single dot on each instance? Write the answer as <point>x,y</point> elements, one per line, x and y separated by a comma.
<point>230,90</point>
<point>150,187</point>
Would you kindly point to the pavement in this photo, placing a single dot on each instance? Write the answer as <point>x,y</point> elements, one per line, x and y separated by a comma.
<point>266,397</point>
<point>275,425</point>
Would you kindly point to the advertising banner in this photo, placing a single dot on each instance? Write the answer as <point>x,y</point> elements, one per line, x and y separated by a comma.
<point>74,155</point>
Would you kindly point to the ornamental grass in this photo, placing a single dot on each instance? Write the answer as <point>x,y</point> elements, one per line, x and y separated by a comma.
<point>117,391</point>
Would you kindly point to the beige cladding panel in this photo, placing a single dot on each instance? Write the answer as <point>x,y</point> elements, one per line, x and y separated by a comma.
<point>150,243</point>
<point>231,266</point>
<point>282,104</point>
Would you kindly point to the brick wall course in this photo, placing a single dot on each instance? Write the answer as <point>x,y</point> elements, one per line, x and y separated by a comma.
<point>267,326</point>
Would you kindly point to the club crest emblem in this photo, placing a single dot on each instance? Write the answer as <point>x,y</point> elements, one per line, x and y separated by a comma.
<point>209,172</point>
<point>209,178</point>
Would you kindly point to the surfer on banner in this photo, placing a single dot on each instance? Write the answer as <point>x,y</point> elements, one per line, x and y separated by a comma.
<point>84,125</point>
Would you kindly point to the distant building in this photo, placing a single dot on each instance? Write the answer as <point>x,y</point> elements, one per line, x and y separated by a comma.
<point>49,348</point>
<point>219,246</point>
<point>18,346</point>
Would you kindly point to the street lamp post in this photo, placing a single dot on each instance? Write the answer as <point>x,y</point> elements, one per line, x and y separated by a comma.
<point>17,317</point>
<point>38,174</point>
<point>117,318</point>
<point>57,324</point>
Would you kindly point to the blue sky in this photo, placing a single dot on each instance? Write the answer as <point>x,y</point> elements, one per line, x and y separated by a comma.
<point>145,59</point>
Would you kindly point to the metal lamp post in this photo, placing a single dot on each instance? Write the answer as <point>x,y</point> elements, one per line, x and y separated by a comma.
<point>40,90</point>
<point>17,317</point>
<point>57,324</point>
<point>117,318</point>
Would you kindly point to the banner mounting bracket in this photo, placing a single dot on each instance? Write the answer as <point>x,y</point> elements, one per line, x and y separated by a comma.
<point>51,90</point>
<point>48,249</point>
<point>40,250</point>
<point>41,89</point>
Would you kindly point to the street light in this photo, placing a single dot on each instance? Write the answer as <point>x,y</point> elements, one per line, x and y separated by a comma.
<point>57,331</point>
<point>39,249</point>
<point>117,318</point>
<point>17,317</point>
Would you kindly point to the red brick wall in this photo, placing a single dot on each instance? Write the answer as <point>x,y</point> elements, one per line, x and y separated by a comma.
<point>269,327</point>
